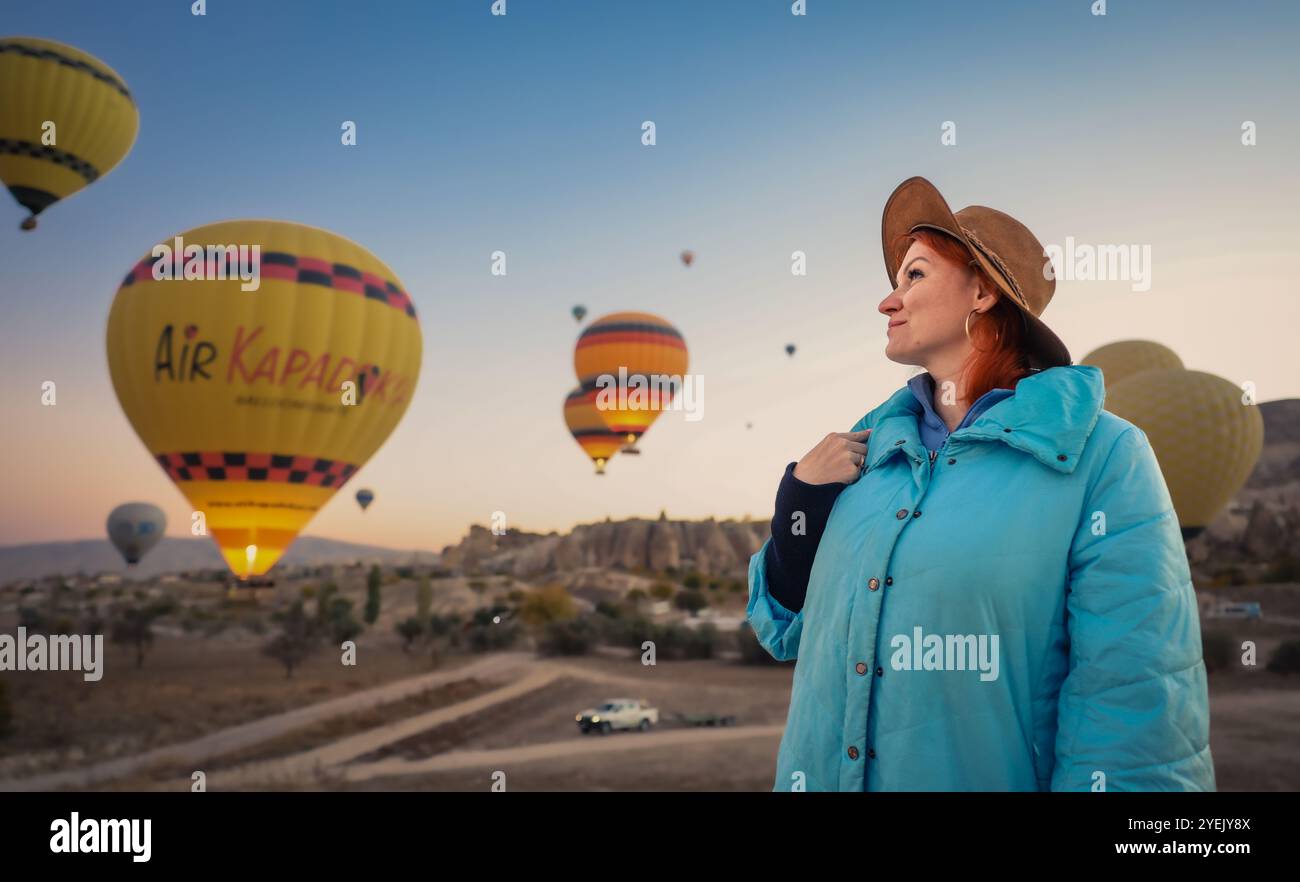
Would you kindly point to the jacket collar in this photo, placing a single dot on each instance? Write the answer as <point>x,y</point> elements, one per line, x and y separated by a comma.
<point>1051,415</point>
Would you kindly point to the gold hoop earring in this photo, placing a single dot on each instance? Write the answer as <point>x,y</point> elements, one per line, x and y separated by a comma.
<point>997,339</point>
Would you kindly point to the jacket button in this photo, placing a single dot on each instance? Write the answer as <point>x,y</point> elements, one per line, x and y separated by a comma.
<point>873,584</point>
<point>1006,430</point>
<point>1062,457</point>
<point>902,513</point>
<point>871,752</point>
<point>862,668</point>
<point>853,753</point>
<point>917,513</point>
<point>889,580</point>
<point>880,672</point>
<point>952,462</point>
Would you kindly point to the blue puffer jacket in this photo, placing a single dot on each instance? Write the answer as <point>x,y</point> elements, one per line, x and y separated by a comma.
<point>1016,615</point>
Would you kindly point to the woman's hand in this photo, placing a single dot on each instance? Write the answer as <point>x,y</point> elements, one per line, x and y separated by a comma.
<point>839,457</point>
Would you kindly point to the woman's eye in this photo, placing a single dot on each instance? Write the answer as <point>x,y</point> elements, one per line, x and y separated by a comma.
<point>915,274</point>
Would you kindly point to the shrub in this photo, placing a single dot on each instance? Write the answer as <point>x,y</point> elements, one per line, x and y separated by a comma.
<point>409,629</point>
<point>692,601</point>
<point>1286,658</point>
<point>550,603</point>
<point>661,591</point>
<point>6,711</point>
<point>692,581</point>
<point>1284,569</point>
<point>700,642</point>
<point>1219,650</point>
<point>567,637</point>
<point>751,651</point>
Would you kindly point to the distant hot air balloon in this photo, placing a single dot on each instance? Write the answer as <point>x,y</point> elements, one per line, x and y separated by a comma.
<point>1205,438</point>
<point>134,528</point>
<point>1121,360</point>
<point>789,349</point>
<point>364,498</point>
<point>66,119</point>
<point>579,313</point>
<point>688,257</point>
<point>261,403</point>
<point>638,352</point>
<point>589,430</point>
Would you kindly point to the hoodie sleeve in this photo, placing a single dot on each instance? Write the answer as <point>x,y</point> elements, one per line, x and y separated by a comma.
<point>1134,705</point>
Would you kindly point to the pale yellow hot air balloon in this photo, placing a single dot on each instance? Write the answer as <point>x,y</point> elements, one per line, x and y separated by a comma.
<point>66,118</point>
<point>261,398</point>
<point>1205,437</point>
<point>1121,360</point>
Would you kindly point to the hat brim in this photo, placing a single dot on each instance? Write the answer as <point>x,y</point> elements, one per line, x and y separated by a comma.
<point>917,203</point>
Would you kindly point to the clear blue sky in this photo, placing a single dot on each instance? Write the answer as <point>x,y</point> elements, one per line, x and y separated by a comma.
<point>522,133</point>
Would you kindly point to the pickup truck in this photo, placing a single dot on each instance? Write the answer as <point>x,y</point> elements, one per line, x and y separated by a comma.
<point>618,713</point>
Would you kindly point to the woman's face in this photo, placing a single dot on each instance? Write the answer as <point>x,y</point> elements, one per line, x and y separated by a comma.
<point>928,308</point>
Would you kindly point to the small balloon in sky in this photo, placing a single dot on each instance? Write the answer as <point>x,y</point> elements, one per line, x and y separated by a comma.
<point>365,497</point>
<point>134,528</point>
<point>789,349</point>
<point>688,257</point>
<point>579,313</point>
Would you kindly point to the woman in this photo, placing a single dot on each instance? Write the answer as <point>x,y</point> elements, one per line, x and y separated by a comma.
<point>984,582</point>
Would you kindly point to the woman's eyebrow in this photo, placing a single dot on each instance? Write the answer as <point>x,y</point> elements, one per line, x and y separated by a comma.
<point>903,271</point>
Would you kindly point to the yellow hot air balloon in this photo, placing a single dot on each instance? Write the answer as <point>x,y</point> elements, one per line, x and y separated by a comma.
<point>1121,360</point>
<point>635,350</point>
<point>66,118</point>
<point>1205,437</point>
<point>589,430</point>
<point>261,393</point>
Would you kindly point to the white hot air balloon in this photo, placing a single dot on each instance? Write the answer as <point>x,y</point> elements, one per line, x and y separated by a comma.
<point>134,528</point>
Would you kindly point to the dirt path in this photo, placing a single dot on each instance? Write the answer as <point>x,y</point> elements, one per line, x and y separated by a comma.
<point>234,738</point>
<point>588,746</point>
<point>313,761</point>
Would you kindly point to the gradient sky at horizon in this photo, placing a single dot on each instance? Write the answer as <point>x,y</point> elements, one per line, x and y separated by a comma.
<point>776,133</point>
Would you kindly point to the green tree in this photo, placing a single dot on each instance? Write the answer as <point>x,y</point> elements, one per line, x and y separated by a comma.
<point>423,599</point>
<point>324,601</point>
<point>373,581</point>
<point>343,624</point>
<point>409,629</point>
<point>692,581</point>
<point>296,640</point>
<point>661,591</point>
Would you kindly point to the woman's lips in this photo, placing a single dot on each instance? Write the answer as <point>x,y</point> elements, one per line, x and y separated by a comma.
<point>893,325</point>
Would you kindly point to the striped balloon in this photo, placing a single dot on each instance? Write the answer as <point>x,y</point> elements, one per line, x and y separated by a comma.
<point>261,402</point>
<point>589,430</point>
<point>622,347</point>
<point>66,119</point>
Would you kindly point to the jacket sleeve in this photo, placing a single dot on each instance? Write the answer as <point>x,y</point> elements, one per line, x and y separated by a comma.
<point>777,628</point>
<point>1134,705</point>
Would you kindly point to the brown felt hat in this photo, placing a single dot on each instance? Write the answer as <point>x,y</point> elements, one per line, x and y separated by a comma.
<point>1011,255</point>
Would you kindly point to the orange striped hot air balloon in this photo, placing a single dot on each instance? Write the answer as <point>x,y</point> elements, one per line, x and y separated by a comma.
<point>588,429</point>
<point>628,358</point>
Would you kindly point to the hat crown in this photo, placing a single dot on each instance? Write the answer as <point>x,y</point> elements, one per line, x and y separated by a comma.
<point>1014,251</point>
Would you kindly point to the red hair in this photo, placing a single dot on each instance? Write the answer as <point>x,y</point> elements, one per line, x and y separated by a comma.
<point>999,359</point>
